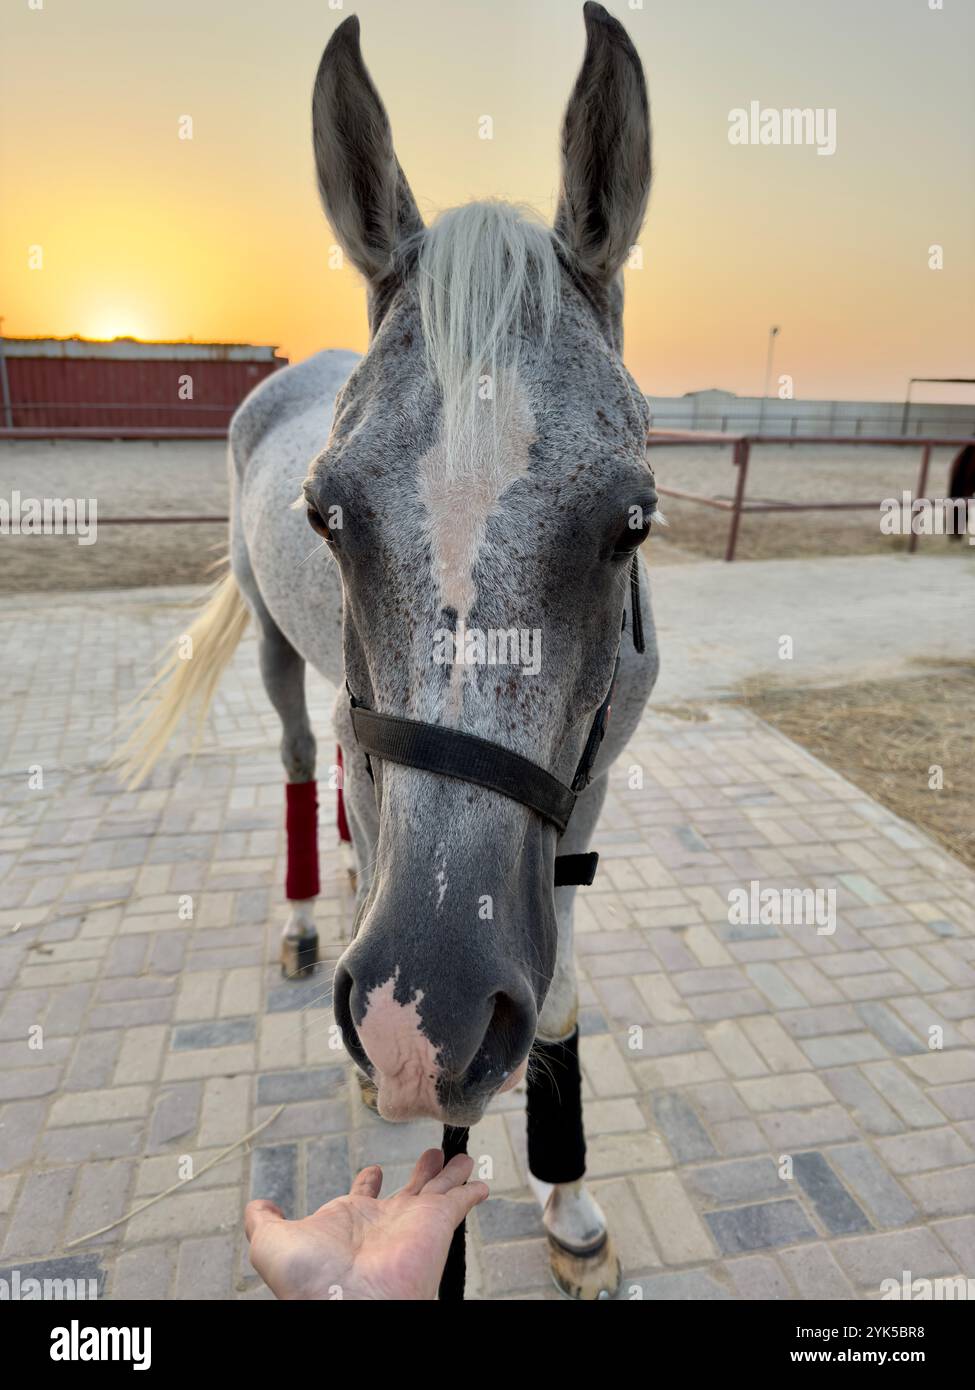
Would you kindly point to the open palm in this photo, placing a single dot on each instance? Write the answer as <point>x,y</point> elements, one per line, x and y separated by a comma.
<point>364,1246</point>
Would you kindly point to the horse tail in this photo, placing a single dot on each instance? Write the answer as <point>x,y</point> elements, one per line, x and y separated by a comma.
<point>185,683</point>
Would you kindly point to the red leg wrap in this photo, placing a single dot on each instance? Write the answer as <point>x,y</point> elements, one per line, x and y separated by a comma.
<point>343,824</point>
<point>301,822</point>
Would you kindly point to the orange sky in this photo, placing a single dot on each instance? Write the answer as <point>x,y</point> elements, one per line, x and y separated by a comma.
<point>221,237</point>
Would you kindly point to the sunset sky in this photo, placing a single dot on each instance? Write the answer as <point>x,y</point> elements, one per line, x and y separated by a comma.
<point>222,238</point>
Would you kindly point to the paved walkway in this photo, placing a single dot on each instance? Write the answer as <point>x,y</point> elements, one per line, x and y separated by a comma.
<point>850,618</point>
<point>766,1115</point>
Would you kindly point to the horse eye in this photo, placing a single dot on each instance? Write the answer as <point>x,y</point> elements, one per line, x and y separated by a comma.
<point>317,523</point>
<point>633,535</point>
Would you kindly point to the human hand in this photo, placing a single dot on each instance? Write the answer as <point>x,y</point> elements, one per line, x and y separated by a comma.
<point>363,1246</point>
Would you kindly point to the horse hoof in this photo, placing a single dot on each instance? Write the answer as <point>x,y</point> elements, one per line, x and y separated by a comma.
<point>299,956</point>
<point>367,1089</point>
<point>585,1274</point>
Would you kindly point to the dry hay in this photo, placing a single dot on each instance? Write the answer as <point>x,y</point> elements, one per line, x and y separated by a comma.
<point>886,736</point>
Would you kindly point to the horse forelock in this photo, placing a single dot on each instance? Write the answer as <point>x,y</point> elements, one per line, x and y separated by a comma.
<point>488,281</point>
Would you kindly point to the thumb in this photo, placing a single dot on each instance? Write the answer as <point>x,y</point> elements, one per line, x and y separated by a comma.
<point>258,1214</point>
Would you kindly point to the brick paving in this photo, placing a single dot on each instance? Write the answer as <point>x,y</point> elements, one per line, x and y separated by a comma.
<point>766,1115</point>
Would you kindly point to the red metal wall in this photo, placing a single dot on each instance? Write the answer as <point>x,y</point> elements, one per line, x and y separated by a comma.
<point>118,391</point>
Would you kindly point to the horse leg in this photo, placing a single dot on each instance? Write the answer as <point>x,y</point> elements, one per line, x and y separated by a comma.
<point>582,1258</point>
<point>283,672</point>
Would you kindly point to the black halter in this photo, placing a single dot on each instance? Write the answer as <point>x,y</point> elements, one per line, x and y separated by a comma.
<point>468,758</point>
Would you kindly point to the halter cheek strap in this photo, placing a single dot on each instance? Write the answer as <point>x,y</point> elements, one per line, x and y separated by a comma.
<point>469,758</point>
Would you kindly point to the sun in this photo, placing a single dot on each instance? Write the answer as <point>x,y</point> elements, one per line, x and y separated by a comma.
<point>113,324</point>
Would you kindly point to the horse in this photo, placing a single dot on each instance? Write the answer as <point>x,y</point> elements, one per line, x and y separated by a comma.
<point>479,474</point>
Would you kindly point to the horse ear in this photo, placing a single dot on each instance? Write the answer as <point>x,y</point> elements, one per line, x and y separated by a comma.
<point>363,189</point>
<point>605,151</point>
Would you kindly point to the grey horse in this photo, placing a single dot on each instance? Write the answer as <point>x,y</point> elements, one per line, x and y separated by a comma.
<point>480,485</point>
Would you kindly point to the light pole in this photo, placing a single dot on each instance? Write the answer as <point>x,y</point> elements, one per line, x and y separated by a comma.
<point>8,416</point>
<point>773,333</point>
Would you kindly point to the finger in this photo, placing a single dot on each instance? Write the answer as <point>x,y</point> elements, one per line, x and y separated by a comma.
<point>258,1213</point>
<point>456,1173</point>
<point>461,1200</point>
<point>367,1183</point>
<point>427,1166</point>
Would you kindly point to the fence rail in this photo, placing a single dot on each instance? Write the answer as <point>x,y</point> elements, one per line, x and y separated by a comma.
<point>741,453</point>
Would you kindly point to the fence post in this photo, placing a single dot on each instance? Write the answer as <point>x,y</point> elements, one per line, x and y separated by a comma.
<point>741,453</point>
<point>920,491</point>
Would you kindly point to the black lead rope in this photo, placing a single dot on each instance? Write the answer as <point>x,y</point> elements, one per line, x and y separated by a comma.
<point>455,1270</point>
<point>638,640</point>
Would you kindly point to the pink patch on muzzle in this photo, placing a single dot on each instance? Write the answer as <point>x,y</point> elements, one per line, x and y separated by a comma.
<point>404,1059</point>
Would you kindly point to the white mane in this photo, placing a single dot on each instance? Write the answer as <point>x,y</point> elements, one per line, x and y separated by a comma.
<point>488,278</point>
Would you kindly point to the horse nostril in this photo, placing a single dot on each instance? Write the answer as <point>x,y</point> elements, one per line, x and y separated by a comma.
<point>511,1030</point>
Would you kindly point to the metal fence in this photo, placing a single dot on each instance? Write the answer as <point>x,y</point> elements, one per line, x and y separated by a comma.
<point>742,445</point>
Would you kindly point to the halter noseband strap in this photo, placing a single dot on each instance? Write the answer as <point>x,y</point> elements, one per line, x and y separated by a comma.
<point>469,758</point>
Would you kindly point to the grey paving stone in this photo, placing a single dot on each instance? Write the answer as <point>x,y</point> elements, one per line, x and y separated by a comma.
<point>756,1277</point>
<point>868,1107</point>
<point>328,1173</point>
<point>847,1048</point>
<point>776,986</point>
<point>958,1235</point>
<point>175,1114</point>
<point>274,1088</point>
<point>86,1272</point>
<point>868,1260</point>
<point>93,1064</point>
<point>669,1040</point>
<point>885,1199</point>
<point>126,955</point>
<point>688,1286</point>
<point>885,1024</point>
<point>101,1196</point>
<point>29,1083</point>
<point>818,1022</point>
<point>759,1227</point>
<point>903,1095</point>
<point>82,1143</point>
<point>926,1149</point>
<point>799,1129</point>
<point>837,1210</point>
<point>144,1274</point>
<point>130,1013</point>
<point>314,993</point>
<point>274,1175</point>
<point>41,1207</point>
<point>205,1268</point>
<point>816,1274</point>
<point>747,1180</point>
<point>67,1009</point>
<point>128,987</point>
<point>21,1122</point>
<point>503,1219</point>
<point>681,1127</point>
<point>592,1021</point>
<point>168,952</point>
<point>188,1037</point>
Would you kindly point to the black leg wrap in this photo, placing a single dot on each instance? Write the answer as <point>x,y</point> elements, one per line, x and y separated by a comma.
<point>455,1270</point>
<point>556,1139</point>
